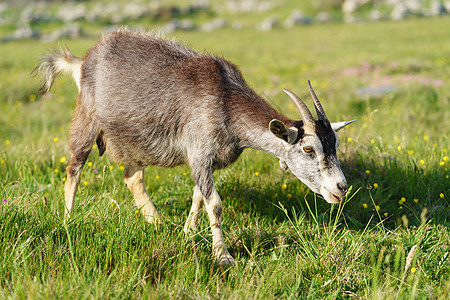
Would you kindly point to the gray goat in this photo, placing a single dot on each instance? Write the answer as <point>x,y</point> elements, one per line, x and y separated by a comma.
<point>150,101</point>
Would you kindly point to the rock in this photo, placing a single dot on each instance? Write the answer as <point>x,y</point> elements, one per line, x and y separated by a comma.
<point>268,24</point>
<point>399,12</point>
<point>447,6</point>
<point>214,25</point>
<point>350,6</point>
<point>70,13</point>
<point>323,17</point>
<point>414,6</point>
<point>375,15</point>
<point>177,24</point>
<point>134,10</point>
<point>351,18</point>
<point>297,18</point>
<point>68,31</point>
<point>25,33</point>
<point>246,6</point>
<point>437,8</point>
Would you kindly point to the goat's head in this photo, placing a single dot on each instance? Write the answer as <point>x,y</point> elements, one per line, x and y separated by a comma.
<point>310,149</point>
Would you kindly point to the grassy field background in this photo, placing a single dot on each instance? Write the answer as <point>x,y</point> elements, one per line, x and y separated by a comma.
<point>389,240</point>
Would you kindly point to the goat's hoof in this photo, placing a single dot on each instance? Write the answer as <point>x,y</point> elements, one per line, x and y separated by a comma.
<point>189,229</point>
<point>156,220</point>
<point>225,260</point>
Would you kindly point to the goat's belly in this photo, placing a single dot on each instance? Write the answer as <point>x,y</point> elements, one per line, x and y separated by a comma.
<point>156,153</point>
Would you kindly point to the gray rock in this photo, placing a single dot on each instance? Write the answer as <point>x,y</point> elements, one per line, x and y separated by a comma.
<point>351,18</point>
<point>177,24</point>
<point>350,6</point>
<point>134,10</point>
<point>414,6</point>
<point>246,6</point>
<point>70,13</point>
<point>68,31</point>
<point>268,24</point>
<point>214,25</point>
<point>375,15</point>
<point>399,12</point>
<point>437,8</point>
<point>323,17</point>
<point>297,18</point>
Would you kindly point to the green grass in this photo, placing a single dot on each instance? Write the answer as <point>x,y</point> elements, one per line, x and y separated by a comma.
<point>287,242</point>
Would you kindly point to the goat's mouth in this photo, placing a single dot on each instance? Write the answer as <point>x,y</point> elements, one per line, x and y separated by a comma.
<point>331,197</point>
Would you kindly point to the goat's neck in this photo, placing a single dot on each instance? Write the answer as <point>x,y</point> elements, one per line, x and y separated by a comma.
<point>263,139</point>
<point>251,117</point>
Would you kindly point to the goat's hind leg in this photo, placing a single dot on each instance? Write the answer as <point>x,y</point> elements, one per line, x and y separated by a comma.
<point>83,133</point>
<point>134,178</point>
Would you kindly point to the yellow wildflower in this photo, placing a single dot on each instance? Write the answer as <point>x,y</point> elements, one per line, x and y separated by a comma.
<point>385,214</point>
<point>399,148</point>
<point>2,161</point>
<point>157,177</point>
<point>413,270</point>
<point>425,137</point>
<point>349,139</point>
<point>364,205</point>
<point>56,171</point>
<point>410,152</point>
<point>111,167</point>
<point>442,163</point>
<point>256,173</point>
<point>375,185</point>
<point>416,200</point>
<point>289,195</point>
<point>422,162</point>
<point>445,158</point>
<point>62,159</point>
<point>8,142</point>
<point>56,139</point>
<point>441,195</point>
<point>284,186</point>
<point>121,168</point>
<point>90,164</point>
<point>372,141</point>
<point>367,171</point>
<point>377,208</point>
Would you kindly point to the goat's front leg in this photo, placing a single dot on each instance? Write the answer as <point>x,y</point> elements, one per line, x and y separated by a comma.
<point>205,183</point>
<point>197,203</point>
<point>214,209</point>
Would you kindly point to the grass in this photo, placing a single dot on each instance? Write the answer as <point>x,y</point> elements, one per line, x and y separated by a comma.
<point>288,243</point>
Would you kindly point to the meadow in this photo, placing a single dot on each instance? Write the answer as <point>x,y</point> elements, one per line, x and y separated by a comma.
<point>389,239</point>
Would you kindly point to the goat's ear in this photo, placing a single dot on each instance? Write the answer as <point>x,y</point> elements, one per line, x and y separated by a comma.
<point>283,132</point>
<point>339,125</point>
<point>283,165</point>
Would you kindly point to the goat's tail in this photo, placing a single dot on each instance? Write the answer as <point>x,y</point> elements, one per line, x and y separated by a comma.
<point>56,62</point>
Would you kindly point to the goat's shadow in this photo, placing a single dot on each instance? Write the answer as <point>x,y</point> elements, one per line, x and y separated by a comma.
<point>368,208</point>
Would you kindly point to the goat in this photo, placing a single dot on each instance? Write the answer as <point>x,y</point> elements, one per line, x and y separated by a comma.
<point>151,101</point>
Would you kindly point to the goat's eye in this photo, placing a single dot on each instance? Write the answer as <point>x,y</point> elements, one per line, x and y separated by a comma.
<point>308,149</point>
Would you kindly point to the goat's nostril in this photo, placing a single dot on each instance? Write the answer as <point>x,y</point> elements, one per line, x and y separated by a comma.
<point>342,187</point>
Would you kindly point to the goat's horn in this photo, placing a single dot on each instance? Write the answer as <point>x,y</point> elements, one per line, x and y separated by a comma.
<point>320,112</point>
<point>303,109</point>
